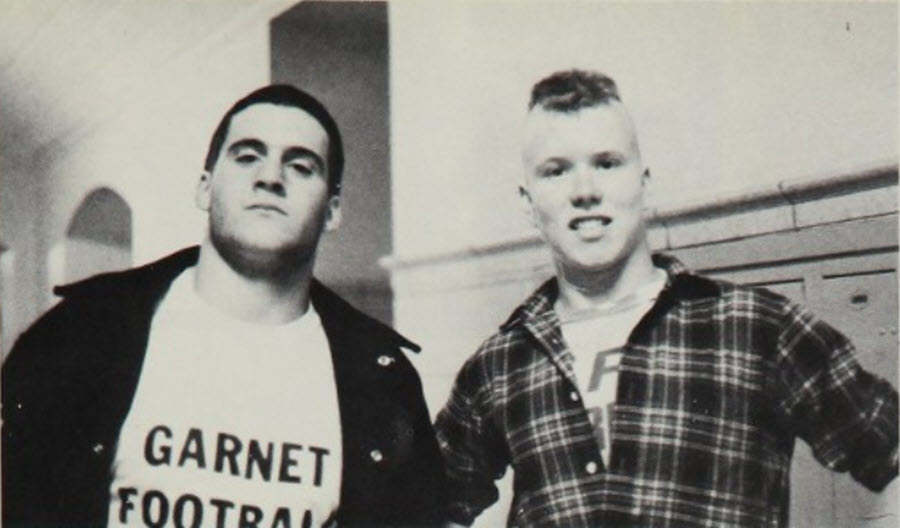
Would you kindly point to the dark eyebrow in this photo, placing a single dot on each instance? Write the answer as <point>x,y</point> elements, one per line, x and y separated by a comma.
<point>250,143</point>
<point>554,161</point>
<point>608,154</point>
<point>301,152</point>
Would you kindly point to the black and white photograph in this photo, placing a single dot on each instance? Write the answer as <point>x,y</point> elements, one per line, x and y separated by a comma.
<point>483,263</point>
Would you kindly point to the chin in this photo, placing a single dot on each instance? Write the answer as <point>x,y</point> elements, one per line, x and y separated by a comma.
<point>263,259</point>
<point>595,266</point>
<point>595,263</point>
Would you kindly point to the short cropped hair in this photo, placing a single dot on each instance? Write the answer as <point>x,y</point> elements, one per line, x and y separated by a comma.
<point>572,90</point>
<point>290,96</point>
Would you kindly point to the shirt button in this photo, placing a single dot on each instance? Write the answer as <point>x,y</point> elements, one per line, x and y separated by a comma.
<point>385,360</point>
<point>591,467</point>
<point>573,396</point>
<point>376,455</point>
<point>98,448</point>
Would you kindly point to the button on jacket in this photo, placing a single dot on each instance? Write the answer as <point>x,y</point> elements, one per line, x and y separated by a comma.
<point>715,383</point>
<point>69,382</point>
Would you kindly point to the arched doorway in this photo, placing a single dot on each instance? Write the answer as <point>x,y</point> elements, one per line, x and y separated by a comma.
<point>98,238</point>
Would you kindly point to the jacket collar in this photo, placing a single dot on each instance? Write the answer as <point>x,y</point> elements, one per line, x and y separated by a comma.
<point>153,278</point>
<point>340,318</point>
<point>681,285</point>
<point>150,282</point>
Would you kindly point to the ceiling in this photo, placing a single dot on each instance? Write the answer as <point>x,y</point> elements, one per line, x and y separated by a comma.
<point>65,64</point>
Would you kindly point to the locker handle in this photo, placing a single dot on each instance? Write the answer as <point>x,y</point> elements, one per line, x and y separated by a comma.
<point>859,300</point>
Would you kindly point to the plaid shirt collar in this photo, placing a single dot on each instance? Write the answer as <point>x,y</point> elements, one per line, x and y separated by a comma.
<point>541,320</point>
<point>681,284</point>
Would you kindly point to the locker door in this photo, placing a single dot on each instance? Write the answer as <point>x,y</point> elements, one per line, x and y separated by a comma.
<point>864,307</point>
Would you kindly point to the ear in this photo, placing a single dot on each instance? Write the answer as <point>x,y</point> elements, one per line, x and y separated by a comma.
<point>202,193</point>
<point>333,213</point>
<point>526,205</point>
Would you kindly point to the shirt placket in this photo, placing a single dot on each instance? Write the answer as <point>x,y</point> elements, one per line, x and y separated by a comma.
<point>546,331</point>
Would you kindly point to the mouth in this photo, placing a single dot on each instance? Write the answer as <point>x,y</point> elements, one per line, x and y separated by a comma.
<point>589,223</point>
<point>267,207</point>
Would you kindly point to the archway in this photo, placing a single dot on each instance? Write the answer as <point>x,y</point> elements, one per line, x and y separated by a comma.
<point>98,238</point>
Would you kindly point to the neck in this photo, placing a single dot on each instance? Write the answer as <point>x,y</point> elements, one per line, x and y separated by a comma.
<point>269,300</point>
<point>586,290</point>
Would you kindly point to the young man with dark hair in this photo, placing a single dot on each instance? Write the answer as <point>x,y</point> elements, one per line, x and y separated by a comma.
<point>627,391</point>
<point>223,385</point>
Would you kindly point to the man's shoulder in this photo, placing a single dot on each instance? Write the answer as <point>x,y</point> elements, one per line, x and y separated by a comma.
<point>338,314</point>
<point>537,305</point>
<point>147,277</point>
<point>112,292</point>
<point>100,303</point>
<point>504,340</point>
<point>531,315</point>
<point>764,313</point>
<point>688,286</point>
<point>725,293</point>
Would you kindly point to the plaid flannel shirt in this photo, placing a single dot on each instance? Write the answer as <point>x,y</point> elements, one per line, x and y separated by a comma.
<point>716,382</point>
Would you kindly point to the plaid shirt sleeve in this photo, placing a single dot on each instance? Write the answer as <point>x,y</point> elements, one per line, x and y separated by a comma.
<point>847,415</point>
<point>474,454</point>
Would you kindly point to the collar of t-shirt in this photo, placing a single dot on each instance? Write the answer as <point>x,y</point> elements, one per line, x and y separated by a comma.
<point>233,423</point>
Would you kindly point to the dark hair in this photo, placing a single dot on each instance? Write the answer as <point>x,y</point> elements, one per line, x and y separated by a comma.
<point>291,96</point>
<point>572,90</point>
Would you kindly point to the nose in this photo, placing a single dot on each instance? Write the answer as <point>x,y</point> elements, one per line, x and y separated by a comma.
<point>585,189</point>
<point>269,178</point>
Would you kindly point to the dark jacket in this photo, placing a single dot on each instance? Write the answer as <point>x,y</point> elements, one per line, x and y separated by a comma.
<point>70,380</point>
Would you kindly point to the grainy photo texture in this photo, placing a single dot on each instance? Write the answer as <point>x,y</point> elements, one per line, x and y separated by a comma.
<point>579,263</point>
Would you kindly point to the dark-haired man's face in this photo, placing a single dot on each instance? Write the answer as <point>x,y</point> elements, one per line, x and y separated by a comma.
<point>267,195</point>
<point>584,183</point>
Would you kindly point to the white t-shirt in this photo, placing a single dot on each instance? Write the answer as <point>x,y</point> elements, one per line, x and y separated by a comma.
<point>233,423</point>
<point>596,339</point>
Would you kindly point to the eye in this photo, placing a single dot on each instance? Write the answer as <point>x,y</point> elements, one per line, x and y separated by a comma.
<point>246,158</point>
<point>552,171</point>
<point>301,168</point>
<point>608,162</point>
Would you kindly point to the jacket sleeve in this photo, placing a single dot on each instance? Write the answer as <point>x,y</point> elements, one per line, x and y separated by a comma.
<point>847,416</point>
<point>428,482</point>
<point>393,470</point>
<point>28,389</point>
<point>473,452</point>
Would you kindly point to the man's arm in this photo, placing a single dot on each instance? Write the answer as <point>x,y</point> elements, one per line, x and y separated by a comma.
<point>473,451</point>
<point>426,503</point>
<point>847,415</point>
<point>26,418</point>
